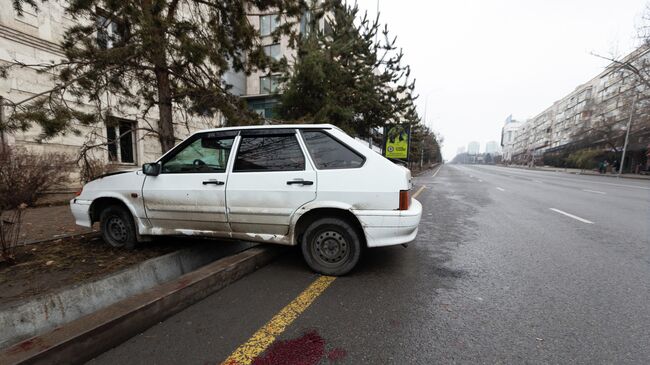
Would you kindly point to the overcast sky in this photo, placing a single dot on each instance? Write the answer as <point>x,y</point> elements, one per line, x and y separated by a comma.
<point>478,61</point>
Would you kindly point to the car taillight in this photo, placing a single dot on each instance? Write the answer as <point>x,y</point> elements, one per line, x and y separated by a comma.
<point>404,199</point>
<point>78,192</point>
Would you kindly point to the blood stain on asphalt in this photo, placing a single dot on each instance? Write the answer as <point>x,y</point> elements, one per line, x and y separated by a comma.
<point>308,349</point>
<point>336,354</point>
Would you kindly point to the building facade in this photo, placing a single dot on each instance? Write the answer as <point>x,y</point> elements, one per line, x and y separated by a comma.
<point>508,136</point>
<point>473,148</point>
<point>592,116</point>
<point>491,147</point>
<point>34,38</point>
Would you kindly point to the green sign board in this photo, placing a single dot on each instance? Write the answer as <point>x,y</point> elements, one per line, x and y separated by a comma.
<point>397,142</point>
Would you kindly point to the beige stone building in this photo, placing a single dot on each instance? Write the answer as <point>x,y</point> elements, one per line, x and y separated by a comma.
<point>33,38</point>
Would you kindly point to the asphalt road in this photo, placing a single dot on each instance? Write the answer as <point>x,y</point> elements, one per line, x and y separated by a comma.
<point>510,266</point>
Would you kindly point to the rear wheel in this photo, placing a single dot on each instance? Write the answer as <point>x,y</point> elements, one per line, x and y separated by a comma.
<point>331,246</point>
<point>117,227</point>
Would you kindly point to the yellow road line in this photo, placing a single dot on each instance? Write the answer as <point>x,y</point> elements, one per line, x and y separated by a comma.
<point>265,336</point>
<point>419,191</point>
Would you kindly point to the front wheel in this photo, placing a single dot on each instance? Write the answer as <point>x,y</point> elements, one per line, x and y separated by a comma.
<point>331,246</point>
<point>117,227</point>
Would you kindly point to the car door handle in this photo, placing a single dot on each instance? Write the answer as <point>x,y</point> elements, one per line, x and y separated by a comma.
<point>300,182</point>
<point>215,182</point>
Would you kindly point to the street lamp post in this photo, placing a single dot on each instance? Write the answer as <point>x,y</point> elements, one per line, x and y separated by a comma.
<point>627,135</point>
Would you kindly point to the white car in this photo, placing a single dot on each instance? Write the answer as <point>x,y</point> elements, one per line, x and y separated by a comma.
<point>308,185</point>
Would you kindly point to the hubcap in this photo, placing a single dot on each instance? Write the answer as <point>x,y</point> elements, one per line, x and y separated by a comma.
<point>330,248</point>
<point>117,229</point>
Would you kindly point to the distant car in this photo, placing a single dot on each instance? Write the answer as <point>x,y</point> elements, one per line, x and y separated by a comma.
<point>308,185</point>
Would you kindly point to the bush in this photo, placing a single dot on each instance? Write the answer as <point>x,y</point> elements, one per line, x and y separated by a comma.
<point>584,159</point>
<point>23,177</point>
<point>92,168</point>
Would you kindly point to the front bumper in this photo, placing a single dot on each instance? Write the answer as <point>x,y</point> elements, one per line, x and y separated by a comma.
<point>81,211</point>
<point>390,227</point>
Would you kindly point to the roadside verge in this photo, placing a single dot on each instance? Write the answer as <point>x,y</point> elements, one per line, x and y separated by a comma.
<point>580,172</point>
<point>88,336</point>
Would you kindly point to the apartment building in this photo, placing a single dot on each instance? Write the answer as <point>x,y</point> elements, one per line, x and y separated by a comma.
<point>570,123</point>
<point>263,88</point>
<point>491,147</point>
<point>473,148</point>
<point>508,134</point>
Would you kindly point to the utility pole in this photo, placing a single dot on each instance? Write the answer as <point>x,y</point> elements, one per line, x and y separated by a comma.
<point>627,134</point>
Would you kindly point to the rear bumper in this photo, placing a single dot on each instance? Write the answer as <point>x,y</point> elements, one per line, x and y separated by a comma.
<point>390,227</point>
<point>81,211</point>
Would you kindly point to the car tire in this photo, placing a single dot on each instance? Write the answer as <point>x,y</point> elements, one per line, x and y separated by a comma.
<point>331,246</point>
<point>117,227</point>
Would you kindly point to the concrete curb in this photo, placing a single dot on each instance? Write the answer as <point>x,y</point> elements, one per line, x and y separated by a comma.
<point>420,173</point>
<point>562,170</point>
<point>89,336</point>
<point>43,313</point>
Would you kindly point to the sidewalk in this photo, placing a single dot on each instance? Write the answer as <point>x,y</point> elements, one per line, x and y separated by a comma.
<point>579,172</point>
<point>44,223</point>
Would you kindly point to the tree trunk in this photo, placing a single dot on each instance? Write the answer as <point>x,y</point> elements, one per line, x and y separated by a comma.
<point>152,25</point>
<point>165,120</point>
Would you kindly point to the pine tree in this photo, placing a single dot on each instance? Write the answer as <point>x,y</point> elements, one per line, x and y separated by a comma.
<point>148,55</point>
<point>349,74</point>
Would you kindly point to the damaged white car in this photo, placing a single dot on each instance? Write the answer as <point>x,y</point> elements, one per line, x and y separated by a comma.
<point>308,185</point>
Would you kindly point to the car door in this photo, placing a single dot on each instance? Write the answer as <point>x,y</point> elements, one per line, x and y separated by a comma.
<point>189,193</point>
<point>270,180</point>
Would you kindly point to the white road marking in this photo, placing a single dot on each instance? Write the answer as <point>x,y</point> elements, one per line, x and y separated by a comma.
<point>501,189</point>
<point>436,173</point>
<point>572,216</point>
<point>479,180</point>
<point>594,191</point>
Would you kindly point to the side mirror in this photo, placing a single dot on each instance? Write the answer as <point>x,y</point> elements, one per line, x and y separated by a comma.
<point>151,169</point>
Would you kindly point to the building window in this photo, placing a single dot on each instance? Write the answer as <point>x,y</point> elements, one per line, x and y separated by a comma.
<point>268,24</point>
<point>120,134</point>
<point>107,32</point>
<point>305,23</point>
<point>273,51</point>
<point>269,84</point>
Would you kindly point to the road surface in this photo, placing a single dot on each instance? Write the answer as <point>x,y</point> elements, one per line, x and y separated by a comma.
<point>510,266</point>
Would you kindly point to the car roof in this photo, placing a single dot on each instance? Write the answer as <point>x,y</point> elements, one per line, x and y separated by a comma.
<point>270,126</point>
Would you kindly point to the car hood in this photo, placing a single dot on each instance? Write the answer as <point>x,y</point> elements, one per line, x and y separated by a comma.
<point>117,181</point>
<point>114,173</point>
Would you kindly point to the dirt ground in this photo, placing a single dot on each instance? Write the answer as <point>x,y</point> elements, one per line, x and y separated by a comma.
<point>46,267</point>
<point>49,222</point>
